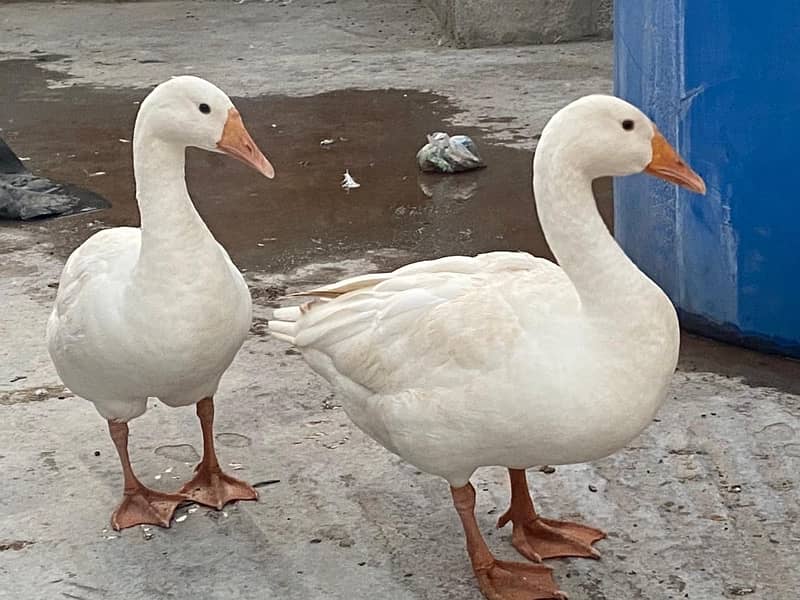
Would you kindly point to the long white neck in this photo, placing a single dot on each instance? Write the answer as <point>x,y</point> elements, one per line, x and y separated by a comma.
<point>172,230</point>
<point>606,280</point>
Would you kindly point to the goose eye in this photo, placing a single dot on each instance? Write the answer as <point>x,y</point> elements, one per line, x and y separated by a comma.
<point>205,108</point>
<point>627,125</point>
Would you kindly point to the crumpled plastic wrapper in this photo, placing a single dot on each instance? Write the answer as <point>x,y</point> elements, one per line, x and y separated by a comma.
<point>449,154</point>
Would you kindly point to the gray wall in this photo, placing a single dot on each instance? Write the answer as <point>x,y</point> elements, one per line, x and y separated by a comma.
<point>475,23</point>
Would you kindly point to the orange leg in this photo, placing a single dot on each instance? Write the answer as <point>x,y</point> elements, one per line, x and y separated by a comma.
<point>210,486</point>
<point>500,580</point>
<point>140,505</point>
<point>536,538</point>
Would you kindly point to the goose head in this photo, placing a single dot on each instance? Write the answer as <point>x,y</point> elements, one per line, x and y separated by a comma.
<point>190,111</point>
<point>606,136</point>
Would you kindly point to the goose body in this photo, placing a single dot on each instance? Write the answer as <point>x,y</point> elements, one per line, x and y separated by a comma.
<point>119,335</point>
<point>465,362</point>
<point>507,359</point>
<point>157,311</point>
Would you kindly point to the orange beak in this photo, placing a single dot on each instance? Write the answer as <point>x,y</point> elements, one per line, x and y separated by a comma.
<point>668,165</point>
<point>236,142</point>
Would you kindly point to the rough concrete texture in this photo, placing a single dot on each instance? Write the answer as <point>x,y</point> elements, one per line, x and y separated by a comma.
<point>604,11</point>
<point>304,48</point>
<point>479,23</point>
<point>704,505</point>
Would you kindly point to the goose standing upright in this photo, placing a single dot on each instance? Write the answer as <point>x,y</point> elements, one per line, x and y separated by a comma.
<point>159,311</point>
<point>507,359</point>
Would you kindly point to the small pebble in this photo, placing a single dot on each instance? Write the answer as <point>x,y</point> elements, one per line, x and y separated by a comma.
<point>547,469</point>
<point>97,452</point>
<point>592,488</point>
<point>741,591</point>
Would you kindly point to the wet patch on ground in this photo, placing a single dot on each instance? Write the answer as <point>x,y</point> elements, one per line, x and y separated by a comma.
<point>703,355</point>
<point>15,545</point>
<point>178,452</point>
<point>22,396</point>
<point>72,133</point>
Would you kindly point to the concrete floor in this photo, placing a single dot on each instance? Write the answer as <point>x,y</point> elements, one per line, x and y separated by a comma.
<point>703,505</point>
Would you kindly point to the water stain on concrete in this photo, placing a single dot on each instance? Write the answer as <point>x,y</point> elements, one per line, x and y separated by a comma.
<point>776,432</point>
<point>15,545</point>
<point>34,395</point>
<point>702,355</point>
<point>185,453</point>
<point>48,460</point>
<point>71,132</point>
<point>233,440</point>
<point>792,450</point>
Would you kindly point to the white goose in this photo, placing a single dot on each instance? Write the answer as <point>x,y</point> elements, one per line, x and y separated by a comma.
<point>159,311</point>
<point>507,359</point>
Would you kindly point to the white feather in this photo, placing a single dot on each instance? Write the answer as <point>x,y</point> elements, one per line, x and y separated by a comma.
<point>348,182</point>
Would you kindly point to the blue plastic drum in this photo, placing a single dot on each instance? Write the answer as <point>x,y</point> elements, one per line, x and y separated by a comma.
<point>722,82</point>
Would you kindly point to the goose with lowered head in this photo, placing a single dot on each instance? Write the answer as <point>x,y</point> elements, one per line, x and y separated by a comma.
<point>159,311</point>
<point>507,359</point>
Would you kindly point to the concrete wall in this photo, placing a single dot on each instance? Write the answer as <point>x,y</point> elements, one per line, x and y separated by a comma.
<point>476,23</point>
